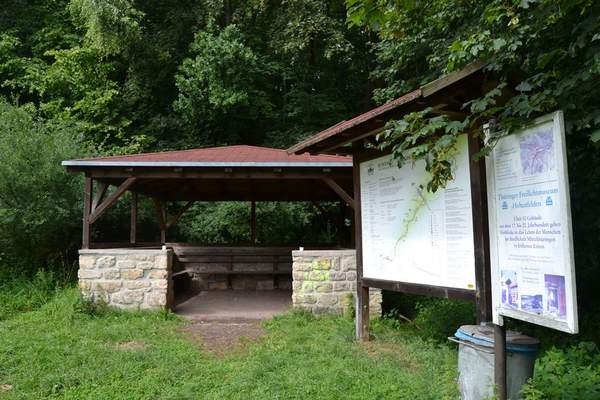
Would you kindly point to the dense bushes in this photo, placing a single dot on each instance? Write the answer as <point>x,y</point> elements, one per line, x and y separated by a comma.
<point>568,374</point>
<point>39,201</point>
<point>228,223</point>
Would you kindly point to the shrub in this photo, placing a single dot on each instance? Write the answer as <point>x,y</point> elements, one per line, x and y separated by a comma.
<point>439,318</point>
<point>40,203</point>
<point>572,373</point>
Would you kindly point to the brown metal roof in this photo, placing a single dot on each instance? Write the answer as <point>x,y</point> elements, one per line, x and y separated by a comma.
<point>334,138</point>
<point>228,173</point>
<point>225,156</point>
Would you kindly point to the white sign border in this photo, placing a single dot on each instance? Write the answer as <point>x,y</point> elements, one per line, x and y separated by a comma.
<point>571,325</point>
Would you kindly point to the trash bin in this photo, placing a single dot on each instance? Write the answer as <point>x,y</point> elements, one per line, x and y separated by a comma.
<point>476,361</point>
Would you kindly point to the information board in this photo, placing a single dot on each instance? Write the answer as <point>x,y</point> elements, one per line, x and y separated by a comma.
<point>533,276</point>
<point>412,235</point>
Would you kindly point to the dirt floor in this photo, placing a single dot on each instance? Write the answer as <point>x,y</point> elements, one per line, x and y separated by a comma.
<point>223,321</point>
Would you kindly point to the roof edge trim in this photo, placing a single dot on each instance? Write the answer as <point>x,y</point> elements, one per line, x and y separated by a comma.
<point>92,163</point>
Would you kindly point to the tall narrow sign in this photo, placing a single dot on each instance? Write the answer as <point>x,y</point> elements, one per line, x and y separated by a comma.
<point>533,270</point>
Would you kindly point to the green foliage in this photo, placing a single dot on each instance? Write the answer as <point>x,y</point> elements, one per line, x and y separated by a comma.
<point>223,80</point>
<point>170,74</point>
<point>572,373</point>
<point>21,293</point>
<point>440,318</point>
<point>228,223</point>
<point>39,200</point>
<point>543,55</point>
<point>109,24</point>
<point>418,136</point>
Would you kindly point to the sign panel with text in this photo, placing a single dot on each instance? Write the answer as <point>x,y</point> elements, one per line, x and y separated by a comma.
<point>533,271</point>
<point>412,235</point>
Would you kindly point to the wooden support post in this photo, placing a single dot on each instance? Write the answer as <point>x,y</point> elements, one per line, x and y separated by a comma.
<point>162,218</point>
<point>481,234</point>
<point>253,222</point>
<point>500,361</point>
<point>87,204</point>
<point>362,293</point>
<point>133,226</point>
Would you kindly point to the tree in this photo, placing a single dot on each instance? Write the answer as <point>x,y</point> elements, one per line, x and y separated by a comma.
<point>543,54</point>
<point>40,203</point>
<point>221,91</point>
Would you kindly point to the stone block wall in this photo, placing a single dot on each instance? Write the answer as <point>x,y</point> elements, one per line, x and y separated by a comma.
<point>324,281</point>
<point>127,278</point>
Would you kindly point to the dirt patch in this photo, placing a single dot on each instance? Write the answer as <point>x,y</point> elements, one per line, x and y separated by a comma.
<point>129,346</point>
<point>6,387</point>
<point>223,337</point>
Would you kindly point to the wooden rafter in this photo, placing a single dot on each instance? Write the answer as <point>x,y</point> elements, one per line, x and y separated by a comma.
<point>340,191</point>
<point>180,214</point>
<point>133,223</point>
<point>110,200</point>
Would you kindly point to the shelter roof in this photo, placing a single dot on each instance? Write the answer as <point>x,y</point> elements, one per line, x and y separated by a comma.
<point>225,156</point>
<point>446,94</point>
<point>228,173</point>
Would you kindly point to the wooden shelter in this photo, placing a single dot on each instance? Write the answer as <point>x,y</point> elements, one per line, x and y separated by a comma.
<point>229,173</point>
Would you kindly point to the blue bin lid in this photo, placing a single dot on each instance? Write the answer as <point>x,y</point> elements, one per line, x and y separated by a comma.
<point>483,335</point>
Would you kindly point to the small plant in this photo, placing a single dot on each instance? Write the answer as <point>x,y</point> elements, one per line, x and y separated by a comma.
<point>91,307</point>
<point>572,373</point>
<point>439,318</point>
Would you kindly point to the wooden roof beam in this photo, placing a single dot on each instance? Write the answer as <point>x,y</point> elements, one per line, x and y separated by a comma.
<point>340,191</point>
<point>97,213</point>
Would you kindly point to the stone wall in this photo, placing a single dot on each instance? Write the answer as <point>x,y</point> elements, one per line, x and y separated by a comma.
<point>127,278</point>
<point>324,281</point>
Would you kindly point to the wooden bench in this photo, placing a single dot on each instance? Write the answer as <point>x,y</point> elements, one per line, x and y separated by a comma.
<point>230,261</point>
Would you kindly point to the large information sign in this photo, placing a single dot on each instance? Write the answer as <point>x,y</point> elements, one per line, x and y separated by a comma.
<point>533,276</point>
<point>412,235</point>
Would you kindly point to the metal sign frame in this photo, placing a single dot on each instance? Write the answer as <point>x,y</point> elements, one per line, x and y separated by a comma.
<point>569,325</point>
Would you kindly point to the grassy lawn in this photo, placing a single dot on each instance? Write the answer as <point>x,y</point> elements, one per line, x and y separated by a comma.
<point>60,351</point>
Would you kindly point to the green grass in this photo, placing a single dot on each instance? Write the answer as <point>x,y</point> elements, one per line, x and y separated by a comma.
<point>58,351</point>
<point>20,292</point>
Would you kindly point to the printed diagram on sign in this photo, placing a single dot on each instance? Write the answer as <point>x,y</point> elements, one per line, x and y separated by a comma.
<point>537,152</point>
<point>556,300</point>
<point>418,202</point>
<point>510,288</point>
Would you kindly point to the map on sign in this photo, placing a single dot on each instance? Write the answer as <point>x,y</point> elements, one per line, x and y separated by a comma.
<point>531,245</point>
<point>413,235</point>
<point>537,152</point>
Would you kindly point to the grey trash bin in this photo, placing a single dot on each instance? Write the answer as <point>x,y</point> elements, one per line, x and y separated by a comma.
<point>476,361</point>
